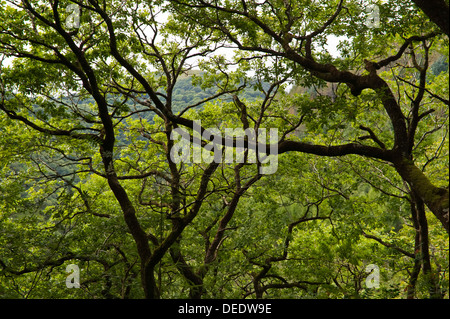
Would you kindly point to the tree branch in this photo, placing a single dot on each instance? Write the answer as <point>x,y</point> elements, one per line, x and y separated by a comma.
<point>437,11</point>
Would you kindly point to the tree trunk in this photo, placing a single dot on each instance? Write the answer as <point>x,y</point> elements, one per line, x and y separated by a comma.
<point>129,214</point>
<point>424,252</point>
<point>414,275</point>
<point>149,284</point>
<point>195,281</point>
<point>437,11</point>
<point>435,198</point>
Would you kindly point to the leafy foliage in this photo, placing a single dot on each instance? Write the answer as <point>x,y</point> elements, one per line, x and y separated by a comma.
<point>87,175</point>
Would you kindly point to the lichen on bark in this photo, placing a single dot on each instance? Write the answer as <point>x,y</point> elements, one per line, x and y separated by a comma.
<point>436,198</point>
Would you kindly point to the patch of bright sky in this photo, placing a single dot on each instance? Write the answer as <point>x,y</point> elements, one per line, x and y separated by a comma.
<point>332,44</point>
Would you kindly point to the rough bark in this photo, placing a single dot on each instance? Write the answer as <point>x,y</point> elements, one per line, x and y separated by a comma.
<point>195,281</point>
<point>414,274</point>
<point>435,198</point>
<point>423,251</point>
<point>437,11</point>
<point>139,236</point>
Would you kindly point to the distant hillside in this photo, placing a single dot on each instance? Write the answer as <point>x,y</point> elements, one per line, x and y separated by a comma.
<point>186,94</point>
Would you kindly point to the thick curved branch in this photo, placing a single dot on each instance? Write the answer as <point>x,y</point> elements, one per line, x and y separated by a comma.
<point>52,263</point>
<point>437,11</point>
<point>338,150</point>
<point>70,133</point>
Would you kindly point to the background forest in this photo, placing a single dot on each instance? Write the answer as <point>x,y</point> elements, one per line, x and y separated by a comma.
<point>91,91</point>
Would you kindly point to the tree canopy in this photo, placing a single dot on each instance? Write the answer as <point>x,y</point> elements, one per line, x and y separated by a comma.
<point>118,120</point>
